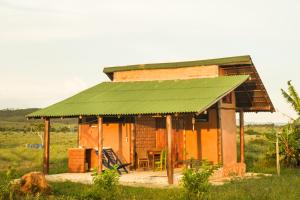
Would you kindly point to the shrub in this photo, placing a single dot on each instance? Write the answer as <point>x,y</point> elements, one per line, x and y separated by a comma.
<point>195,181</point>
<point>289,144</point>
<point>105,185</point>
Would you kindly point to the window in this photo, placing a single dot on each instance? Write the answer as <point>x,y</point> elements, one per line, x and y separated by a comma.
<point>160,123</point>
<point>227,98</point>
<point>203,117</point>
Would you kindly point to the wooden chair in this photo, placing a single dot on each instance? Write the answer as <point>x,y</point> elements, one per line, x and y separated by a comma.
<point>104,161</point>
<point>112,160</point>
<point>143,161</point>
<point>162,162</point>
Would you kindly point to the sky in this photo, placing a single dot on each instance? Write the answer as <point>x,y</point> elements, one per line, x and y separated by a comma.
<point>50,50</point>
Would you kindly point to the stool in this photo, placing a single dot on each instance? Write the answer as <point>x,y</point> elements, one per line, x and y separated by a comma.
<point>143,162</point>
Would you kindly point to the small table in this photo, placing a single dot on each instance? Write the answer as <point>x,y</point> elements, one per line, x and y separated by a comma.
<point>152,154</point>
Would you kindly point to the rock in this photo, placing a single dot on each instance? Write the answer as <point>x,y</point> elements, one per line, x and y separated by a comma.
<point>34,182</point>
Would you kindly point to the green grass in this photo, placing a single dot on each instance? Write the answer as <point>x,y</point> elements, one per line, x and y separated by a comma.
<point>283,187</point>
<point>14,153</point>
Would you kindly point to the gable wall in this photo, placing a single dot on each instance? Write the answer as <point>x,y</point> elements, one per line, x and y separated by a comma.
<point>167,74</point>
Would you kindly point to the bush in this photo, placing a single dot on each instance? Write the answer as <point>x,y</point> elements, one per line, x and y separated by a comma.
<point>289,144</point>
<point>195,181</point>
<point>105,186</point>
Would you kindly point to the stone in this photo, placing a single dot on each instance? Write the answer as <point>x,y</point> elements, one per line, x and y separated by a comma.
<point>34,182</point>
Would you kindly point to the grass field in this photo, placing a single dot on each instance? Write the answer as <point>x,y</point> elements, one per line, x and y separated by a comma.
<point>14,153</point>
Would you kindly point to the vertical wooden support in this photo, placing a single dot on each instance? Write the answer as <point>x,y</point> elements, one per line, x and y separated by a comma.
<point>170,170</point>
<point>120,136</point>
<point>78,132</point>
<point>277,155</point>
<point>242,140</point>
<point>46,146</point>
<point>133,145</point>
<point>220,138</point>
<point>184,141</point>
<point>199,145</point>
<point>100,143</point>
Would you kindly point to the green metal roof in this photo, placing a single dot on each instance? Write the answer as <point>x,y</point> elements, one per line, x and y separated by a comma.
<point>217,61</point>
<point>144,97</point>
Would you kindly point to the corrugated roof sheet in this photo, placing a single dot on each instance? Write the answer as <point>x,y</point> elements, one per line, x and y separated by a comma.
<point>145,97</point>
<point>217,61</point>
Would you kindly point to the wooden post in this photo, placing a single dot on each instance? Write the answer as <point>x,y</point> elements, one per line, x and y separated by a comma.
<point>170,170</point>
<point>242,140</point>
<point>46,146</point>
<point>220,137</point>
<point>133,145</point>
<point>78,132</point>
<point>100,143</point>
<point>277,155</point>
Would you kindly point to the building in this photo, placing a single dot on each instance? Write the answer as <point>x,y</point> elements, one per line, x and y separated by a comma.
<point>187,108</point>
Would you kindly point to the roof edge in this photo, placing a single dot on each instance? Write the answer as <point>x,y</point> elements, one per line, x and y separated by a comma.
<point>244,59</point>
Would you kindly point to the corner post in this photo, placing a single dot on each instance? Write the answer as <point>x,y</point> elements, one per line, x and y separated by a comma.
<point>133,144</point>
<point>79,131</point>
<point>100,143</point>
<point>170,170</point>
<point>242,139</point>
<point>46,146</point>
<point>220,137</point>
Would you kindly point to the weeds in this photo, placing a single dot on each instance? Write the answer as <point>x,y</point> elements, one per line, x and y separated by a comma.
<point>195,181</point>
<point>105,186</point>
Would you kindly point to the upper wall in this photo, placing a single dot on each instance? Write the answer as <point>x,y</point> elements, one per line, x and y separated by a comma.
<point>167,74</point>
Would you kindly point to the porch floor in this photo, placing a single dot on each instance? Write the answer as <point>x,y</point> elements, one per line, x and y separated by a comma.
<point>140,178</point>
<point>133,178</point>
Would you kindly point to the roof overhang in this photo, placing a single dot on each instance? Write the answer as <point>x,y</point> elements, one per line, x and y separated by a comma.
<point>145,97</point>
<point>252,95</point>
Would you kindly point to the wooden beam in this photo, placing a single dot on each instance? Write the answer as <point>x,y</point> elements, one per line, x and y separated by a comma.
<point>46,146</point>
<point>254,90</point>
<point>100,143</point>
<point>133,145</point>
<point>254,108</point>
<point>219,134</point>
<point>78,132</point>
<point>242,139</point>
<point>170,167</point>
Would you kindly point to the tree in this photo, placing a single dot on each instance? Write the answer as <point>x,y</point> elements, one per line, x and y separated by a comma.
<point>292,97</point>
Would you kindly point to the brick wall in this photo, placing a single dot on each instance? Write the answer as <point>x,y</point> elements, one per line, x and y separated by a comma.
<point>145,135</point>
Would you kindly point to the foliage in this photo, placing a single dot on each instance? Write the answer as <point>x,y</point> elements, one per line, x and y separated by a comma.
<point>289,135</point>
<point>195,181</point>
<point>292,97</point>
<point>6,185</point>
<point>289,144</point>
<point>107,180</point>
<point>105,185</point>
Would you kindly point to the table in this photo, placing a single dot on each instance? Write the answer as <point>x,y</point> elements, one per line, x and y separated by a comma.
<point>152,154</point>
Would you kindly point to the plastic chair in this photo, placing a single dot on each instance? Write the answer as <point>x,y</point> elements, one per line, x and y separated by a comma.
<point>162,162</point>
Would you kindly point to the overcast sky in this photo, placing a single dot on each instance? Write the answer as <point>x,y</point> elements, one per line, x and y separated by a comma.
<point>52,49</point>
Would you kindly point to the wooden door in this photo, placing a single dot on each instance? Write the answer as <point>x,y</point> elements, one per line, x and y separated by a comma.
<point>177,148</point>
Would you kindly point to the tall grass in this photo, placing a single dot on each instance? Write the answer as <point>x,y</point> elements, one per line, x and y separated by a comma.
<point>14,153</point>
